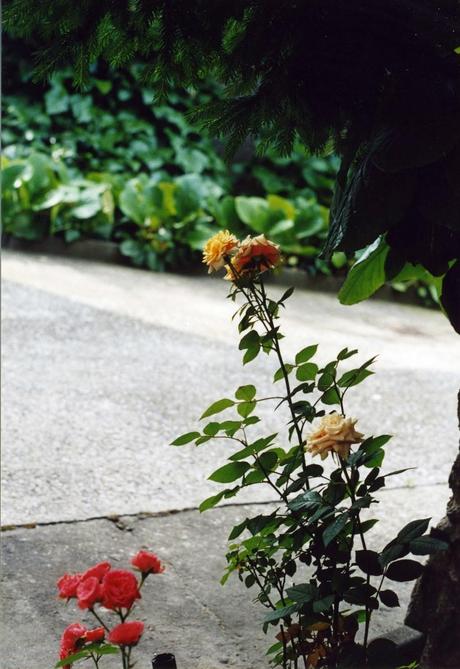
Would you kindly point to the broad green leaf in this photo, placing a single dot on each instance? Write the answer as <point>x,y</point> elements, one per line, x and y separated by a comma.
<point>246,393</point>
<point>217,407</point>
<point>253,211</point>
<point>185,438</point>
<point>305,354</point>
<point>230,472</point>
<point>367,274</point>
<point>307,371</point>
<point>237,530</point>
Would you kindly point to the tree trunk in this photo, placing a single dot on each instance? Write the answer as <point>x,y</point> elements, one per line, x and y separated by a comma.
<point>434,608</point>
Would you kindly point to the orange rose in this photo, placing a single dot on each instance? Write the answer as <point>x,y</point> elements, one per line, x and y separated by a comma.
<point>217,248</point>
<point>335,433</point>
<point>255,255</point>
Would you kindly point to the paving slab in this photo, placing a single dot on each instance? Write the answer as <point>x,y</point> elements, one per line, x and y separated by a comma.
<point>104,365</point>
<point>186,610</point>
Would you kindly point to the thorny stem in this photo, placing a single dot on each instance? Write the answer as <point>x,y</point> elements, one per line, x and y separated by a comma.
<point>268,322</point>
<point>285,374</point>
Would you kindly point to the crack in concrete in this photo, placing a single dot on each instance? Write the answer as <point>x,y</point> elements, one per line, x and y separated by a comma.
<point>117,518</point>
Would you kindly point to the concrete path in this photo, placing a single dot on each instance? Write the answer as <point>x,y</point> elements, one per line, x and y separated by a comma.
<point>103,366</point>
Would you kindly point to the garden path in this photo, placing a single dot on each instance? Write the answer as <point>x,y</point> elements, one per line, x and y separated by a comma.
<point>105,365</point>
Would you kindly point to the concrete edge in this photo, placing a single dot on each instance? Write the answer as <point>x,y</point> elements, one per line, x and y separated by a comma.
<point>108,252</point>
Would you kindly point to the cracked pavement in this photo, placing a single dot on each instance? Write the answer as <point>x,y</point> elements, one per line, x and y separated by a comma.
<point>103,366</point>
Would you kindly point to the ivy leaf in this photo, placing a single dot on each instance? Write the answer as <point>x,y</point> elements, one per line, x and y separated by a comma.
<point>404,570</point>
<point>185,438</point>
<point>305,354</point>
<point>230,472</point>
<point>217,407</point>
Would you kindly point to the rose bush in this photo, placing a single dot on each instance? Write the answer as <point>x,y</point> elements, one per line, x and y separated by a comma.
<point>116,590</point>
<point>309,558</point>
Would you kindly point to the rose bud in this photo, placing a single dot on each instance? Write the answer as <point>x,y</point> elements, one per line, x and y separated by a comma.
<point>147,563</point>
<point>127,634</point>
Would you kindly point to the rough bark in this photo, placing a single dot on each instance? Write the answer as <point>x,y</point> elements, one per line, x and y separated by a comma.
<point>435,604</point>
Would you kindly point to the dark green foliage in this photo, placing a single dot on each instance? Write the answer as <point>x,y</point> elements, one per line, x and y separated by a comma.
<point>377,79</point>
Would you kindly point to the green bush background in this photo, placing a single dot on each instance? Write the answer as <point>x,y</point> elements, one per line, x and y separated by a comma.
<point>112,162</point>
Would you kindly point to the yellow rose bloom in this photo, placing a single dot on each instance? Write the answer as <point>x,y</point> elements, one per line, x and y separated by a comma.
<point>335,434</point>
<point>255,255</point>
<point>216,248</point>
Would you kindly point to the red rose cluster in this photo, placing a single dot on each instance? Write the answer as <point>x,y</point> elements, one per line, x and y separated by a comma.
<point>114,589</point>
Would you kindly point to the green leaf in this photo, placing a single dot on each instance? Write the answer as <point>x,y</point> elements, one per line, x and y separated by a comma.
<point>305,354</point>
<point>307,372</point>
<point>211,429</point>
<point>230,472</point>
<point>237,530</point>
<point>323,604</point>
<point>334,529</point>
<point>246,393</point>
<point>404,570</point>
<point>253,211</point>
<point>185,438</point>
<point>427,545</point>
<point>211,501</point>
<point>250,354</point>
<point>302,593</point>
<point>369,562</point>
<point>345,353</point>
<point>389,598</point>
<point>367,274</point>
<point>246,408</point>
<point>413,530</point>
<point>284,612</point>
<point>279,374</point>
<point>331,396</point>
<point>217,407</point>
<point>353,377</point>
